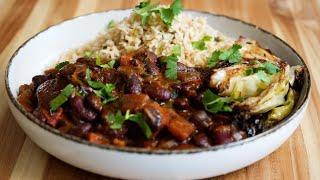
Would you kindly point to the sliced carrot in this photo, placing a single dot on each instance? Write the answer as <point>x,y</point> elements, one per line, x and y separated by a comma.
<point>119,142</point>
<point>97,138</point>
<point>179,127</point>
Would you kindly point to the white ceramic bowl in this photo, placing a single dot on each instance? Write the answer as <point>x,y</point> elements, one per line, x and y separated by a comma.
<point>44,48</point>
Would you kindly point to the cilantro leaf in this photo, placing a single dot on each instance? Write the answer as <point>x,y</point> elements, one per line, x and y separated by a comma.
<point>232,54</point>
<point>166,15</point>
<point>102,90</point>
<point>109,65</point>
<point>117,120</point>
<point>176,7</point>
<point>271,68</point>
<point>62,97</point>
<point>171,67</point>
<point>201,43</point>
<point>139,119</point>
<point>176,50</point>
<point>98,60</point>
<point>263,71</point>
<point>212,61</point>
<point>145,8</point>
<point>249,71</point>
<point>111,24</point>
<point>214,103</point>
<point>106,93</point>
<point>263,76</point>
<point>88,54</point>
<point>93,84</point>
<point>61,65</point>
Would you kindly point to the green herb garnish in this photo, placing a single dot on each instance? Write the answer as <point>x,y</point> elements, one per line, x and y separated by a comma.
<point>93,84</point>
<point>171,67</point>
<point>201,45</point>
<point>213,60</point>
<point>88,54</point>
<point>118,119</point>
<point>111,24</point>
<point>145,8</point>
<point>249,71</point>
<point>263,76</point>
<point>176,50</point>
<point>270,68</point>
<point>62,97</point>
<point>102,90</point>
<point>232,54</point>
<point>263,71</point>
<point>61,65</point>
<point>106,93</point>
<point>110,64</point>
<point>214,103</point>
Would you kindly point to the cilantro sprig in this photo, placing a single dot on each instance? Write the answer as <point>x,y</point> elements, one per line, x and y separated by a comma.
<point>61,65</point>
<point>270,68</point>
<point>102,90</point>
<point>176,50</point>
<point>171,67</point>
<point>62,97</point>
<point>263,71</point>
<point>201,44</point>
<point>232,55</point>
<point>88,54</point>
<point>108,65</point>
<point>214,103</point>
<point>111,24</point>
<point>117,119</point>
<point>145,8</point>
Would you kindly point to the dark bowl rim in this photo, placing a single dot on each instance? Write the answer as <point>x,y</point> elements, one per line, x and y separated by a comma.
<point>75,139</point>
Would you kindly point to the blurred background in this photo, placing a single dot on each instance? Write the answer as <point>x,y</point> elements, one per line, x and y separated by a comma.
<point>295,21</point>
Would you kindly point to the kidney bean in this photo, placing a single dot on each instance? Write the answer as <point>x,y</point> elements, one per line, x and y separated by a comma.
<point>181,103</point>
<point>157,92</point>
<point>38,80</point>
<point>81,130</point>
<point>201,119</point>
<point>95,102</point>
<point>189,89</point>
<point>66,71</point>
<point>222,134</point>
<point>77,104</point>
<point>221,119</point>
<point>202,140</point>
<point>88,61</point>
<point>108,76</point>
<point>176,86</point>
<point>47,91</point>
<point>183,68</point>
<point>193,77</point>
<point>196,101</point>
<point>134,84</point>
<point>151,63</point>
